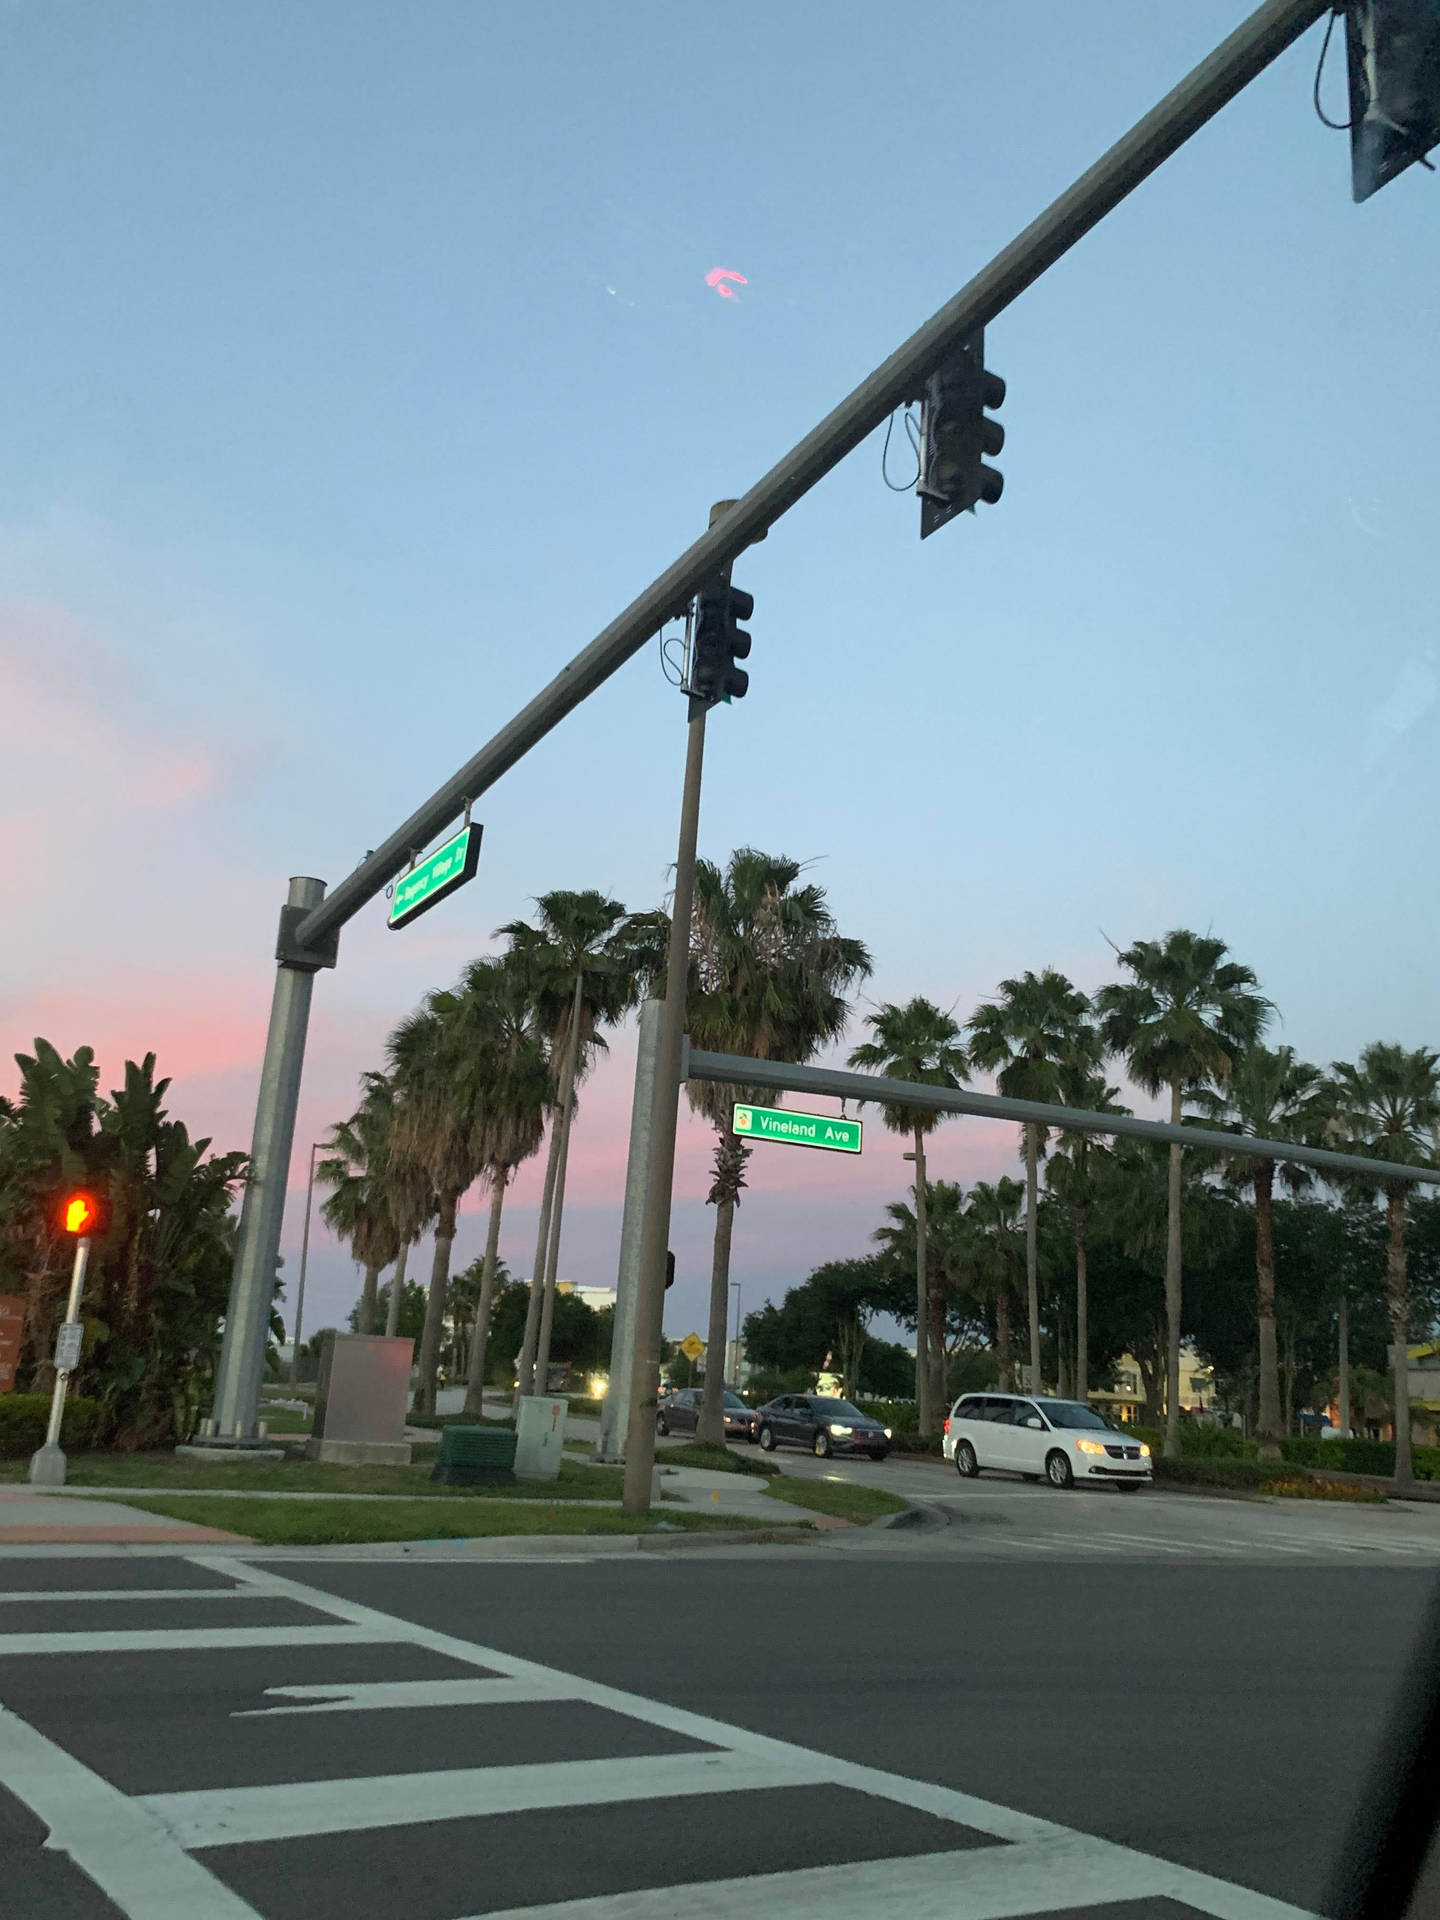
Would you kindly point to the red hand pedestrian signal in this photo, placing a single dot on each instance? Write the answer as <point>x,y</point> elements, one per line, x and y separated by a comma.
<point>80,1213</point>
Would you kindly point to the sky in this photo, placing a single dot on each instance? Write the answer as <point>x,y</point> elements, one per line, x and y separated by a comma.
<point>358,365</point>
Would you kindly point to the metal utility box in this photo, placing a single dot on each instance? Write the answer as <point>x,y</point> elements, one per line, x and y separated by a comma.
<point>540,1436</point>
<point>361,1398</point>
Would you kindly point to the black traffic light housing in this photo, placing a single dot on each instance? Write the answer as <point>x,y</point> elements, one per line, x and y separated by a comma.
<point>1392,50</point>
<point>957,436</point>
<point>720,642</point>
<point>669,1270</point>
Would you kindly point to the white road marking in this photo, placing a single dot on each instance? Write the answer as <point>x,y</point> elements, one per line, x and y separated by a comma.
<point>1051,1886</point>
<point>163,1640</point>
<point>981,1883</point>
<point>364,1696</point>
<point>108,1835</point>
<point>132,1593</point>
<point>222,1816</point>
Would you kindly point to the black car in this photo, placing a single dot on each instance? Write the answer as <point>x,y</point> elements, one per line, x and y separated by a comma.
<point>680,1413</point>
<point>823,1425</point>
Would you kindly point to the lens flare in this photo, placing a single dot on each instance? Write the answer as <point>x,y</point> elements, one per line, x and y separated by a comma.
<point>717,277</point>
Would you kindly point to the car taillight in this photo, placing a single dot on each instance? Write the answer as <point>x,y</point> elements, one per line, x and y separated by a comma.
<point>947,1423</point>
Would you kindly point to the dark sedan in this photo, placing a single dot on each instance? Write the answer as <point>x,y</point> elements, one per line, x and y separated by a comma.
<point>680,1413</point>
<point>821,1425</point>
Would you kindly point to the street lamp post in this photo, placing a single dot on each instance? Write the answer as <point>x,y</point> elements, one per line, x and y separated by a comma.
<point>304,1258</point>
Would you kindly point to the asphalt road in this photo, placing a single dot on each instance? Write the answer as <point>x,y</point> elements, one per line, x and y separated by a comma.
<point>464,1736</point>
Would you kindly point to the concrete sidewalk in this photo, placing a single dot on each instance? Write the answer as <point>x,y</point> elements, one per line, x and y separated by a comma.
<point>32,1518</point>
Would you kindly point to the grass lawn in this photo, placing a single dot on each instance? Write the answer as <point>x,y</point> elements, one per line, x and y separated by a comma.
<point>715,1459</point>
<point>350,1522</point>
<point>163,1472</point>
<point>838,1497</point>
<point>285,1419</point>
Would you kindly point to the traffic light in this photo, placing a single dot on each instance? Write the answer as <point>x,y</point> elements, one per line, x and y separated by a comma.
<point>720,642</point>
<point>669,1270</point>
<point>82,1213</point>
<point>1392,52</point>
<point>956,436</point>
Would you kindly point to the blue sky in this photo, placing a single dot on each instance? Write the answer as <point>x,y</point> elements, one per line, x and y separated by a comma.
<point>358,366</point>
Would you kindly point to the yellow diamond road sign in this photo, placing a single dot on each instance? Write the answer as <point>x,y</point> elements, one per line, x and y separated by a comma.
<point>692,1346</point>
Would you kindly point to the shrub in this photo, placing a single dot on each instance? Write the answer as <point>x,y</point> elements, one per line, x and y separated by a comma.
<point>901,1416</point>
<point>24,1418</point>
<point>1358,1456</point>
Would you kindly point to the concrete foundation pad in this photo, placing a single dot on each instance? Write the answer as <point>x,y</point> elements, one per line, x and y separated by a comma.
<point>213,1453</point>
<point>360,1453</point>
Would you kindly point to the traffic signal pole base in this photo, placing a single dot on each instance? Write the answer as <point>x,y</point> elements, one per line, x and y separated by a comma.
<point>47,1465</point>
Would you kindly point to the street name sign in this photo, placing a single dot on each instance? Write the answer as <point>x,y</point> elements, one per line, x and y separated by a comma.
<point>797,1129</point>
<point>692,1346</point>
<point>435,877</point>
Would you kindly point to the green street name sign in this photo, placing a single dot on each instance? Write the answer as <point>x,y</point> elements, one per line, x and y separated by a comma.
<point>437,875</point>
<point>797,1129</point>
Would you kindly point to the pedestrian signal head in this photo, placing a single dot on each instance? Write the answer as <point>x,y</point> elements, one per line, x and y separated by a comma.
<point>80,1214</point>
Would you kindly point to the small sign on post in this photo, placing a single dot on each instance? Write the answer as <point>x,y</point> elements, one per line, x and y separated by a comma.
<point>822,1130</point>
<point>69,1344</point>
<point>692,1346</point>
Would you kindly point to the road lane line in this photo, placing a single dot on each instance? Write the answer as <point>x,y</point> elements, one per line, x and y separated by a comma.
<point>365,1696</point>
<point>223,1816</point>
<point>108,1835</point>
<point>1033,1877</point>
<point>163,1640</point>
<point>132,1593</point>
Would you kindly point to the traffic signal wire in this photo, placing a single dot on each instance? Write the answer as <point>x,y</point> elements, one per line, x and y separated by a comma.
<point>913,431</point>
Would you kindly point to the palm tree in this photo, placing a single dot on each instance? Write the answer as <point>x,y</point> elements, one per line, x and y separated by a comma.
<point>917,1042</point>
<point>954,1249</point>
<point>1180,1020</point>
<point>1386,1107</point>
<point>1071,1174</point>
<point>355,1168</point>
<point>994,1208</point>
<point>1037,1028</point>
<point>587,963</point>
<point>769,976</point>
<point>444,1087</point>
<point>1270,1095</point>
<point>500,1013</point>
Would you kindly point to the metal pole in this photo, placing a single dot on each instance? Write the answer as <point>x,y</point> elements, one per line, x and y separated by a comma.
<point>1344,1368</point>
<point>787,1077</point>
<point>1150,142</point>
<point>47,1463</point>
<point>735,1354</point>
<point>557,1207</point>
<point>304,1258</point>
<point>247,1318</point>
<point>615,1413</point>
<point>655,1229</point>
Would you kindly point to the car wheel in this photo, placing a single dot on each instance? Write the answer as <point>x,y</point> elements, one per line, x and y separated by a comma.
<point>966,1464</point>
<point>662,1425</point>
<point>767,1439</point>
<point>823,1448</point>
<point>1057,1471</point>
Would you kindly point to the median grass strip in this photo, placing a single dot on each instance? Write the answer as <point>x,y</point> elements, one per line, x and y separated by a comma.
<point>164,1473</point>
<point>837,1497</point>
<point>701,1453</point>
<point>318,1523</point>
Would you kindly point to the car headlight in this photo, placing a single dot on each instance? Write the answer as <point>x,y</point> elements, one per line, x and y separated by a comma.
<point>1091,1446</point>
<point>888,1434</point>
<point>840,1432</point>
<point>1144,1450</point>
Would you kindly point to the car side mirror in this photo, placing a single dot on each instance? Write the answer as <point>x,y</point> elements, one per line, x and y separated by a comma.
<point>1035,1421</point>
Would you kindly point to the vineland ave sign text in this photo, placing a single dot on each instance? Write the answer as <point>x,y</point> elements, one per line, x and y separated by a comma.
<point>797,1129</point>
<point>438,874</point>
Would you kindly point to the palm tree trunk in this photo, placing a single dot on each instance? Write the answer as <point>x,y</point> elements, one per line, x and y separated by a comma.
<point>925,1414</point>
<point>1002,1337</point>
<point>1082,1304</point>
<point>557,1205</point>
<point>475,1380</point>
<point>1172,1287</point>
<point>1344,1357</point>
<point>939,1364</point>
<point>435,1304</point>
<point>370,1287</point>
<point>397,1291</point>
<point>1032,1249</point>
<point>1268,1428</point>
<point>525,1366</point>
<point>711,1427</point>
<point>1399,1292</point>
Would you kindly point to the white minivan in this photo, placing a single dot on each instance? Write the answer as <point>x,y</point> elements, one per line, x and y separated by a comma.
<point>1061,1441</point>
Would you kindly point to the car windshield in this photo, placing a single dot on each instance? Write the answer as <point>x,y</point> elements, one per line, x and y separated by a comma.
<point>1070,1413</point>
<point>734,1400</point>
<point>837,1409</point>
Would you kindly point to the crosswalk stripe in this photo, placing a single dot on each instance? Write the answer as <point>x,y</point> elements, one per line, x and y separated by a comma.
<point>168,1640</point>
<point>221,1816</point>
<point>46,1595</point>
<point>364,1696</point>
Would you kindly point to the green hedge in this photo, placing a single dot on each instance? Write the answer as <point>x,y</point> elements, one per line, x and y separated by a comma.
<point>901,1416</point>
<point>1359,1456</point>
<point>24,1418</point>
